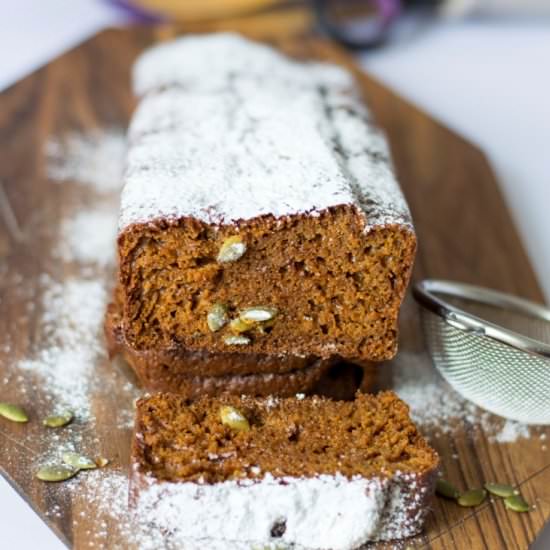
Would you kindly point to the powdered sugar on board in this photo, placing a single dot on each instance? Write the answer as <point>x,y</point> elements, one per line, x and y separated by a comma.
<point>63,365</point>
<point>87,237</point>
<point>70,343</point>
<point>255,134</point>
<point>93,159</point>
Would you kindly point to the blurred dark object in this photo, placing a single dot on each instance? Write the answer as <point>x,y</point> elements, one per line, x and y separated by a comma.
<point>363,24</point>
<point>357,24</point>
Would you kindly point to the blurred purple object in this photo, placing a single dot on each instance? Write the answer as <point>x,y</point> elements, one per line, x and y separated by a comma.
<point>388,9</point>
<point>361,33</point>
<point>138,14</point>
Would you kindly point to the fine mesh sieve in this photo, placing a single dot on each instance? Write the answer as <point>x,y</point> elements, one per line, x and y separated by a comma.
<point>497,368</point>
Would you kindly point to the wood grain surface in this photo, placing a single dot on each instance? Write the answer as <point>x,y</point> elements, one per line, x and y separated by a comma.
<point>465,233</point>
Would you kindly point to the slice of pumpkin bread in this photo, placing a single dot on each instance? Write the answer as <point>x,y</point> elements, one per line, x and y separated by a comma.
<point>303,471</point>
<point>192,373</point>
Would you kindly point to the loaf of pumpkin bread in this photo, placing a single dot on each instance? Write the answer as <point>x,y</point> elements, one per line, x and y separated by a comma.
<point>260,212</point>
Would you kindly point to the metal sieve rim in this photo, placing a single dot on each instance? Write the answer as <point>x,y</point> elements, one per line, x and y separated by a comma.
<point>425,294</point>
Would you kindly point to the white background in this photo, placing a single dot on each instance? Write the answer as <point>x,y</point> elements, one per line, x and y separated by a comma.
<point>489,80</point>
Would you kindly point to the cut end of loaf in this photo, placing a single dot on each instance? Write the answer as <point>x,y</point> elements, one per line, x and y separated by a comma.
<point>370,436</point>
<point>334,289</point>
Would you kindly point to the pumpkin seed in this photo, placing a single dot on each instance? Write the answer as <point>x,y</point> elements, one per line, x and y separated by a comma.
<point>15,413</point>
<point>217,317</point>
<point>516,503</point>
<point>236,340</point>
<point>80,462</point>
<point>231,250</point>
<point>445,489</point>
<point>233,418</point>
<point>258,314</point>
<point>101,462</point>
<point>56,472</point>
<point>500,489</point>
<point>58,420</point>
<point>237,326</point>
<point>473,497</point>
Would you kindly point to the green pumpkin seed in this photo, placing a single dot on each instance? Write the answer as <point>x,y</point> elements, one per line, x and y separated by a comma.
<point>58,420</point>
<point>259,314</point>
<point>473,497</point>
<point>80,462</point>
<point>233,418</point>
<point>445,489</point>
<point>516,503</point>
<point>15,413</point>
<point>55,472</point>
<point>236,340</point>
<point>231,250</point>
<point>217,317</point>
<point>500,489</point>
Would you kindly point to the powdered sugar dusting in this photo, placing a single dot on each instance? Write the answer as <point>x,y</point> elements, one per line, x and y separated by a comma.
<point>88,237</point>
<point>256,134</point>
<point>73,314</point>
<point>64,364</point>
<point>214,56</point>
<point>69,343</point>
<point>322,512</point>
<point>71,321</point>
<point>94,159</point>
<point>511,431</point>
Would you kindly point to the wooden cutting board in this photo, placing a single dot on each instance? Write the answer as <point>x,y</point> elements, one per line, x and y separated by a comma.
<point>464,229</point>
